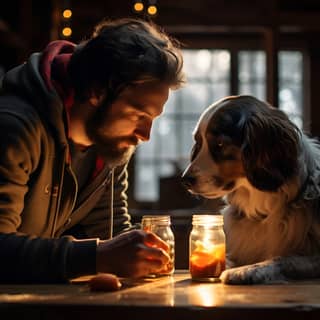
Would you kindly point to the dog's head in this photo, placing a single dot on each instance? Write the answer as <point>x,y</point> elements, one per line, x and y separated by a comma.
<point>241,139</point>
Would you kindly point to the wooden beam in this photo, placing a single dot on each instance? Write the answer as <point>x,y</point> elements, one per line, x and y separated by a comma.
<point>272,77</point>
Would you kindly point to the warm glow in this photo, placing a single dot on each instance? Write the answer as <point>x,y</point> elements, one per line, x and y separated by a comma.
<point>67,13</point>
<point>152,10</point>
<point>138,6</point>
<point>67,32</point>
<point>207,262</point>
<point>206,295</point>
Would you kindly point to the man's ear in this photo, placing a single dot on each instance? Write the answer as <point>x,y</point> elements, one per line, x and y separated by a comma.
<point>96,98</point>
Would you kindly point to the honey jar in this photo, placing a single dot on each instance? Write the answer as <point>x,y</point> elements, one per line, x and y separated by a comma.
<point>207,248</point>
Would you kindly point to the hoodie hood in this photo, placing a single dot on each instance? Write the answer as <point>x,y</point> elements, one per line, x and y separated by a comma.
<point>41,80</point>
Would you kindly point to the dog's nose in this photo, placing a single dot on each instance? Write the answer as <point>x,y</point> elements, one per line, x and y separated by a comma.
<point>188,181</point>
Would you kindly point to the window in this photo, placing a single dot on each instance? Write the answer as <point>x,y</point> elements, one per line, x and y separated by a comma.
<point>209,79</point>
<point>252,73</point>
<point>291,85</point>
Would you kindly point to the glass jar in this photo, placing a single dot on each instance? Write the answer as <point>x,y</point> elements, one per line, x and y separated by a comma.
<point>207,248</point>
<point>161,226</point>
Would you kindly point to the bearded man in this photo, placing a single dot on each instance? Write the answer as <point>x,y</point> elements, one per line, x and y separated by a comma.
<point>70,119</point>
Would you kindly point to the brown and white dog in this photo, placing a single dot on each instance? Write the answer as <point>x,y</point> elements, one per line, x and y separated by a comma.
<point>268,171</point>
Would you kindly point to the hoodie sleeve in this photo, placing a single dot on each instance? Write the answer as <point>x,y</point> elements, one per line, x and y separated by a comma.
<point>28,259</point>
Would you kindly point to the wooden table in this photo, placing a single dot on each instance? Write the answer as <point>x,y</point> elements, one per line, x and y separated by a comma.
<point>165,298</point>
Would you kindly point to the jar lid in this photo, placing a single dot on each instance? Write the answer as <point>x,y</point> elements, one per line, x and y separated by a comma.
<point>207,219</point>
<point>156,219</point>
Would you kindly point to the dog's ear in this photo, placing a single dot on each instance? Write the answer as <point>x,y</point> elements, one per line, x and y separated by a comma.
<point>270,149</point>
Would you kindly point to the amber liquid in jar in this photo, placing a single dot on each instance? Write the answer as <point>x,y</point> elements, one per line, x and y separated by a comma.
<point>161,226</point>
<point>207,248</point>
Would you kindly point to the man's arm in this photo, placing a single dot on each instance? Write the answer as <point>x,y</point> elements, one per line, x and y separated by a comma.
<point>28,259</point>
<point>25,257</point>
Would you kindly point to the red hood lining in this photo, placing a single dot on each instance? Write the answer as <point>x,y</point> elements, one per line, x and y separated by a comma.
<point>53,68</point>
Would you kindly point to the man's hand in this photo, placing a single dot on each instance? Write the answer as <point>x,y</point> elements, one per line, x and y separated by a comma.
<point>132,254</point>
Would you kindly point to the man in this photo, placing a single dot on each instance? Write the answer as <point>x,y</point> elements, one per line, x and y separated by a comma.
<point>70,119</point>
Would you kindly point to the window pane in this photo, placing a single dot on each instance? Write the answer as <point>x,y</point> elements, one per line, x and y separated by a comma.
<point>146,178</point>
<point>252,73</point>
<point>187,127</point>
<point>172,106</point>
<point>290,63</point>
<point>168,168</point>
<point>197,96</point>
<point>290,85</point>
<point>146,150</point>
<point>206,64</point>
<point>220,70</point>
<point>194,98</point>
<point>165,131</point>
<point>254,89</point>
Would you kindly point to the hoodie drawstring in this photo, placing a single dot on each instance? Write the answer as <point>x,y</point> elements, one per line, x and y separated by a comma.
<point>111,205</point>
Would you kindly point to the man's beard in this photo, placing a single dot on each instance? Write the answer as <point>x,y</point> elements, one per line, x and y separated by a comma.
<point>109,148</point>
<point>110,151</point>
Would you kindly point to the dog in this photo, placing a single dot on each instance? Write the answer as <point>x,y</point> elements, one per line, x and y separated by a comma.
<point>267,170</point>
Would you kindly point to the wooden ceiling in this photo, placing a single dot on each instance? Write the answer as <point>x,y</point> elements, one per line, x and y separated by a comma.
<point>38,21</point>
<point>218,15</point>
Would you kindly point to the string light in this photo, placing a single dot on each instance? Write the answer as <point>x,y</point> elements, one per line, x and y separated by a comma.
<point>67,13</point>
<point>66,30</point>
<point>138,6</point>
<point>150,9</point>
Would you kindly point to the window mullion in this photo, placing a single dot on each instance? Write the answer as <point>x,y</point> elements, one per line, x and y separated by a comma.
<point>234,70</point>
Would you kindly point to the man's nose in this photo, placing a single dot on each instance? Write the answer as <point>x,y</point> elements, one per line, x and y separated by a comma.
<point>143,131</point>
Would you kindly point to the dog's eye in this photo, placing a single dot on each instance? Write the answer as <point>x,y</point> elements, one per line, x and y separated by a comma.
<point>216,141</point>
<point>219,143</point>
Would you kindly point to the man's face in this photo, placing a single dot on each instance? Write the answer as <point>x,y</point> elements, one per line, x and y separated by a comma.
<point>117,129</point>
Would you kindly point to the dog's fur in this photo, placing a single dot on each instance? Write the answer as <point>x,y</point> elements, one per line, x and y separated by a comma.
<point>268,171</point>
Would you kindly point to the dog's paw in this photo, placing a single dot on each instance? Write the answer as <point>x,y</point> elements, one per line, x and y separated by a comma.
<point>263,272</point>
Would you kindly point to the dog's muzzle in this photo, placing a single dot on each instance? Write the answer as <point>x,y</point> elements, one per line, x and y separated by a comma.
<point>188,181</point>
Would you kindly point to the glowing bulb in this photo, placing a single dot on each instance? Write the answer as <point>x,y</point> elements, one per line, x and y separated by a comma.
<point>152,10</point>
<point>67,31</point>
<point>67,13</point>
<point>138,6</point>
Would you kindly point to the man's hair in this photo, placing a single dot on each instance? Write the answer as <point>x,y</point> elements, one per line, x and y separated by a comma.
<point>124,52</point>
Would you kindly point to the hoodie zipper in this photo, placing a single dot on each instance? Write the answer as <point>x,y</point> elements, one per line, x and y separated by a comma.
<point>111,204</point>
<point>60,188</point>
<point>91,195</point>
<point>59,193</point>
<point>76,192</point>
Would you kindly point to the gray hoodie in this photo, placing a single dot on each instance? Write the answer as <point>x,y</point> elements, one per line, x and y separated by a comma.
<point>43,214</point>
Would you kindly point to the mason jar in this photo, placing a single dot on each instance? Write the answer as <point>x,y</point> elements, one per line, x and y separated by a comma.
<point>161,226</point>
<point>207,248</point>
